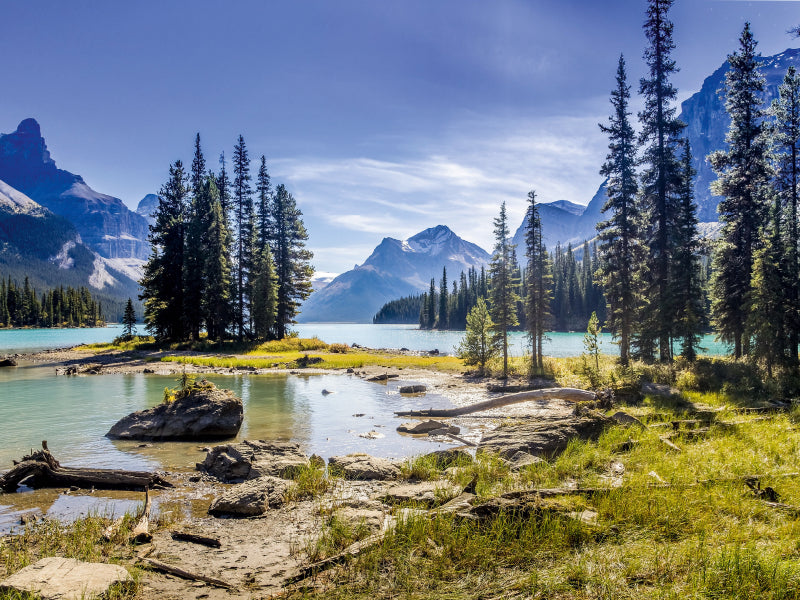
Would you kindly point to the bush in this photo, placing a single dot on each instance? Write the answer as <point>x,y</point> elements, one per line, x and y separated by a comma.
<point>338,348</point>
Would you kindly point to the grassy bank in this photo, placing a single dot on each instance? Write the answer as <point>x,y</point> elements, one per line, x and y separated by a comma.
<point>682,523</point>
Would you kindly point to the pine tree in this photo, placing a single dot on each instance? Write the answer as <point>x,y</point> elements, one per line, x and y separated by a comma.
<point>264,191</point>
<point>292,260</point>
<point>503,284</point>
<point>444,318</point>
<point>786,142</point>
<point>430,306</point>
<point>538,285</point>
<point>686,274</point>
<point>194,257</point>
<point>216,301</point>
<point>661,175</point>
<point>480,343</point>
<point>245,221</point>
<point>743,179</point>
<point>223,185</point>
<point>162,282</point>
<point>128,320</point>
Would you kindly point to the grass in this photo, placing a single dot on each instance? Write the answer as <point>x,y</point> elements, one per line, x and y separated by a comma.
<point>81,540</point>
<point>705,536</point>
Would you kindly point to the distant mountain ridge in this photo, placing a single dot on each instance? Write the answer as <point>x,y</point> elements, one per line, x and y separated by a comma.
<point>395,268</point>
<point>105,224</point>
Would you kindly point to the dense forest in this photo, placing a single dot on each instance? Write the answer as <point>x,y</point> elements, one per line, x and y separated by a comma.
<point>576,295</point>
<point>20,306</point>
<point>223,260</point>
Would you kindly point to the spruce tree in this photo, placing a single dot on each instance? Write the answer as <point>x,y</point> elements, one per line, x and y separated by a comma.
<point>444,318</point>
<point>430,306</point>
<point>245,222</point>
<point>128,319</point>
<point>503,284</point>
<point>538,285</point>
<point>162,282</point>
<point>292,260</point>
<point>194,257</point>
<point>786,150</point>
<point>265,295</point>
<point>224,186</point>
<point>743,175</point>
<point>264,191</point>
<point>661,174</point>
<point>480,343</point>
<point>686,273</point>
<point>216,299</point>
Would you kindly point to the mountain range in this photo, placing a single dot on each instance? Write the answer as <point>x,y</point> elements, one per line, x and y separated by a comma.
<point>395,268</point>
<point>356,295</point>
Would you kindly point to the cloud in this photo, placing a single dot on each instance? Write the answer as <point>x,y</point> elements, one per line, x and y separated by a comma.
<point>459,180</point>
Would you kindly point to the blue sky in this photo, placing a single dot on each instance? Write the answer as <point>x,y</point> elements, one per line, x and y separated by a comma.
<point>381,117</point>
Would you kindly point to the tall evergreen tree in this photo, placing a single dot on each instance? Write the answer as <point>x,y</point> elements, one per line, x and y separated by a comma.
<point>224,186</point>
<point>444,318</point>
<point>786,142</point>
<point>292,260</point>
<point>129,319</point>
<point>197,216</point>
<point>661,174</point>
<point>264,191</point>
<point>162,282</point>
<point>686,274</point>
<point>538,284</point>
<point>216,298</point>
<point>503,284</point>
<point>743,175</point>
<point>245,222</point>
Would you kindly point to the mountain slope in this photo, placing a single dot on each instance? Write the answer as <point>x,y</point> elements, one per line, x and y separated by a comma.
<point>395,268</point>
<point>47,249</point>
<point>105,224</point>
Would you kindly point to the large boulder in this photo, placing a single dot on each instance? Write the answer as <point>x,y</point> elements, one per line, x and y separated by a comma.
<point>251,498</point>
<point>55,578</point>
<point>363,467</point>
<point>423,493</point>
<point>544,438</point>
<point>251,459</point>
<point>206,412</point>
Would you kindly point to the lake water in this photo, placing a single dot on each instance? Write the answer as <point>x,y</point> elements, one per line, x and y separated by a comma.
<point>74,413</point>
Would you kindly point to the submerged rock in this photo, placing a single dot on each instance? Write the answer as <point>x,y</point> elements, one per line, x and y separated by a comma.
<point>250,459</point>
<point>207,412</point>
<point>544,438</point>
<point>413,389</point>
<point>363,466</point>
<point>424,427</point>
<point>251,498</point>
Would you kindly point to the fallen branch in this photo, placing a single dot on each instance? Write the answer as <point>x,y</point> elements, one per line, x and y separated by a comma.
<point>141,533</point>
<point>177,571</point>
<point>196,539</point>
<point>668,443</point>
<point>571,394</point>
<point>44,470</point>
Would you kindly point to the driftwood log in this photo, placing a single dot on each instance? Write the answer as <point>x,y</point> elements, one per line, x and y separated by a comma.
<point>571,394</point>
<point>43,470</point>
<point>184,574</point>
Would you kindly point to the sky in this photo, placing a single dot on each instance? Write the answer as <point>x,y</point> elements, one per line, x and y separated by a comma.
<point>382,118</point>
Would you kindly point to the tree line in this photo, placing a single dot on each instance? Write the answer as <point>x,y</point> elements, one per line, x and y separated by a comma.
<point>226,258</point>
<point>576,295</point>
<point>20,306</point>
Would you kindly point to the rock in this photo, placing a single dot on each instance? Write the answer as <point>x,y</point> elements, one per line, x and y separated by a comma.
<point>413,389</point>
<point>251,498</point>
<point>383,377</point>
<point>522,459</point>
<point>7,362</point>
<point>425,427</point>
<point>234,463</point>
<point>357,518</point>
<point>148,371</point>
<point>66,579</point>
<point>363,466</point>
<point>205,413</point>
<point>425,493</point>
<point>447,458</point>
<point>545,439</point>
<point>326,392</point>
<point>371,435</point>
<point>626,419</point>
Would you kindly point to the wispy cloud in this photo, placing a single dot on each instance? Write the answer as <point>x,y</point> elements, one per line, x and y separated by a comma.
<point>458,180</point>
